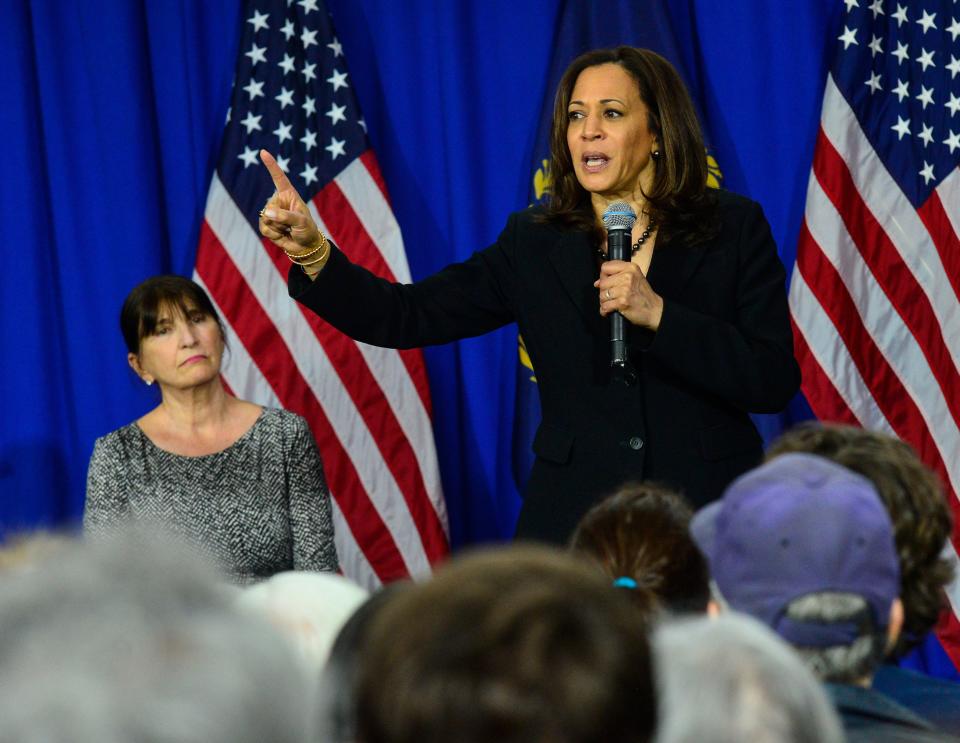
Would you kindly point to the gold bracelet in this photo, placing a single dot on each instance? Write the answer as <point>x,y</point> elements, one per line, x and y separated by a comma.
<point>322,260</point>
<point>295,257</point>
<point>323,257</point>
<point>320,246</point>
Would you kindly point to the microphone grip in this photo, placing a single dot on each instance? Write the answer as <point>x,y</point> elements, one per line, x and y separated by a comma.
<point>618,344</point>
<point>618,249</point>
<point>618,244</point>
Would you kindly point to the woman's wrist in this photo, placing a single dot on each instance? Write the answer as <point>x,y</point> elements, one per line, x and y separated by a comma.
<point>657,314</point>
<point>314,259</point>
<point>319,245</point>
<point>313,274</point>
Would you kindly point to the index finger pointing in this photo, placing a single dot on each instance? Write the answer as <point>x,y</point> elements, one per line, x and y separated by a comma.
<point>280,179</point>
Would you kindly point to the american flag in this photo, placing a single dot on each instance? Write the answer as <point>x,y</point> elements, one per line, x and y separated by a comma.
<point>369,408</point>
<point>874,294</point>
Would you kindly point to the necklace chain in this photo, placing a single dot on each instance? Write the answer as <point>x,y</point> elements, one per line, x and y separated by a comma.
<point>643,238</point>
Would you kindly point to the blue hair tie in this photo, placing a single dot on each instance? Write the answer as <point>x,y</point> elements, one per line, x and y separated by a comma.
<point>625,582</point>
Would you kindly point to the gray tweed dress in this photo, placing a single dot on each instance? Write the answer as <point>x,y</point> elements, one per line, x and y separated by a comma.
<point>259,507</point>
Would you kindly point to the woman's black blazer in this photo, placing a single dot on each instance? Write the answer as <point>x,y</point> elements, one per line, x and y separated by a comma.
<point>724,348</point>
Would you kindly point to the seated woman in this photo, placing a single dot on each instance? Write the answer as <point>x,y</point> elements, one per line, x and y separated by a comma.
<point>244,483</point>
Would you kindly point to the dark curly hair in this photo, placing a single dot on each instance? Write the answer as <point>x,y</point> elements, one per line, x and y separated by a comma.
<point>679,201</point>
<point>914,498</point>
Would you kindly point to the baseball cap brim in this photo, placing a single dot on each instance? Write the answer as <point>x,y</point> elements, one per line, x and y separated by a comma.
<point>703,527</point>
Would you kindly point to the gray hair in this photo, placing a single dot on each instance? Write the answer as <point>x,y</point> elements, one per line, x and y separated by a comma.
<point>133,640</point>
<point>730,679</point>
<point>842,664</point>
<point>308,608</point>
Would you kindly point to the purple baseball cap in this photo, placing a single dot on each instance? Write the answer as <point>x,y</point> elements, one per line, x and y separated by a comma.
<point>797,525</point>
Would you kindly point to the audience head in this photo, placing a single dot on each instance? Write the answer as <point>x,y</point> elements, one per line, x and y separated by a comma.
<point>24,552</point>
<point>338,691</point>
<point>129,640</point>
<point>642,534</point>
<point>518,644</point>
<point>915,501</point>
<point>307,607</point>
<point>730,679</point>
<point>805,546</point>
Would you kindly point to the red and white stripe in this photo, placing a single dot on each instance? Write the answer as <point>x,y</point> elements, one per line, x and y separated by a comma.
<point>368,407</point>
<point>874,303</point>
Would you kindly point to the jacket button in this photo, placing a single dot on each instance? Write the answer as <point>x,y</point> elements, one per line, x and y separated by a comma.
<point>635,443</point>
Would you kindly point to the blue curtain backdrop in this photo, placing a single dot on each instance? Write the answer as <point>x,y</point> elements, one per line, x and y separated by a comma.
<point>111,117</point>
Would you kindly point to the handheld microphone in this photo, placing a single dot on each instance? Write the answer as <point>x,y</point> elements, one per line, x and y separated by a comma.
<point>619,219</point>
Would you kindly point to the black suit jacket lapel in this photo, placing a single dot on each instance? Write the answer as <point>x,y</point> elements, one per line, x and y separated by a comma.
<point>673,266</point>
<point>572,257</point>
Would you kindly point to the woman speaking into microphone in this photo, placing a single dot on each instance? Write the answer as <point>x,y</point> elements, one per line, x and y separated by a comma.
<point>701,290</point>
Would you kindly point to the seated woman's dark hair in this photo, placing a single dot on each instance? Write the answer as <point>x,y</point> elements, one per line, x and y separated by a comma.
<point>141,309</point>
<point>679,202</point>
<point>642,534</point>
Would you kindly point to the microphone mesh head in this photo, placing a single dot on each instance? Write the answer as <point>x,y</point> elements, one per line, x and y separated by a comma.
<point>619,215</point>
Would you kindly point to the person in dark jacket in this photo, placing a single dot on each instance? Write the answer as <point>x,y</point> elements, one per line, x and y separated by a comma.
<point>702,293</point>
<point>922,524</point>
<point>806,546</point>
